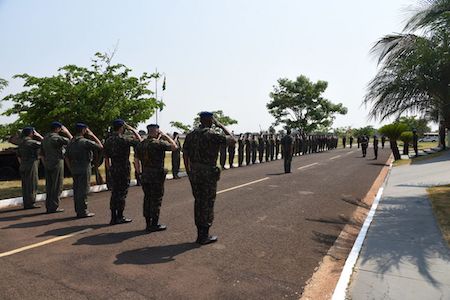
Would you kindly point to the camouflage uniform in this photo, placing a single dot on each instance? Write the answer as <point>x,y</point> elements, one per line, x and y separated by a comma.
<point>287,142</point>
<point>176,159</point>
<point>223,156</point>
<point>117,149</point>
<point>277,146</point>
<point>202,147</point>
<point>53,151</point>
<point>79,153</point>
<point>231,152</point>
<point>151,153</point>
<point>248,151</point>
<point>254,149</point>
<point>240,152</point>
<point>375,147</point>
<point>260,148</point>
<point>28,151</point>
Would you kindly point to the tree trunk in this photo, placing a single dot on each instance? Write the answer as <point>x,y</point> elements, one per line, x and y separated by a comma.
<point>442,135</point>
<point>394,148</point>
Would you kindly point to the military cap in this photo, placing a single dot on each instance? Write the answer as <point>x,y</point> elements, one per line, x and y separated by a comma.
<point>56,124</point>
<point>205,114</point>
<point>151,126</point>
<point>27,130</point>
<point>81,125</point>
<point>118,122</point>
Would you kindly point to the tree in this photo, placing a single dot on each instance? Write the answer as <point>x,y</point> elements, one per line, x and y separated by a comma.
<point>299,104</point>
<point>181,126</point>
<point>3,84</point>
<point>406,137</point>
<point>414,74</point>
<point>368,131</point>
<point>393,132</point>
<point>419,124</point>
<point>95,95</point>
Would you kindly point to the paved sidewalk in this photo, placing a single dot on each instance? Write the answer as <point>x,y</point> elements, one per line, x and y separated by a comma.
<point>404,255</point>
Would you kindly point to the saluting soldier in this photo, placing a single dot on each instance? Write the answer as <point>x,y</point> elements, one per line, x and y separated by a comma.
<point>287,143</point>
<point>241,150</point>
<point>383,140</point>
<point>117,162</point>
<point>28,157</point>
<point>200,156</point>
<point>176,156</point>
<point>53,153</point>
<point>364,145</point>
<point>151,152</point>
<point>267,147</point>
<point>79,157</point>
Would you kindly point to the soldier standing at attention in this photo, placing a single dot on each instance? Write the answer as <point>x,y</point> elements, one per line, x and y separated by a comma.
<point>201,148</point>
<point>375,146</point>
<point>28,157</point>
<point>344,140</point>
<point>176,157</point>
<point>248,149</point>
<point>364,145</point>
<point>117,162</point>
<point>277,146</point>
<point>358,140</point>
<point>231,152</point>
<point>79,158</point>
<point>383,140</point>
<point>240,150</point>
<point>260,148</point>
<point>415,142</point>
<point>267,147</point>
<point>254,149</point>
<point>287,143</point>
<point>151,152</point>
<point>223,156</point>
<point>53,153</point>
<point>351,141</point>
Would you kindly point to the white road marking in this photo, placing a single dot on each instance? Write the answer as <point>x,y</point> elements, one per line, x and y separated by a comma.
<point>242,185</point>
<point>350,152</point>
<point>307,166</point>
<point>334,157</point>
<point>46,242</point>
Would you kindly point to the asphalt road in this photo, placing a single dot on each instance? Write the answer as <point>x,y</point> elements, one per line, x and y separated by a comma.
<point>272,232</point>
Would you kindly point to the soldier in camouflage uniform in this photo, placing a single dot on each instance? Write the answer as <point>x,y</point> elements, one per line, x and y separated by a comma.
<point>200,156</point>
<point>287,143</point>
<point>231,152</point>
<point>254,148</point>
<point>260,148</point>
<point>53,154</point>
<point>241,150</point>
<point>176,157</point>
<point>28,157</point>
<point>151,153</point>
<point>223,156</point>
<point>248,149</point>
<point>267,147</point>
<point>79,157</point>
<point>117,162</point>
<point>277,146</point>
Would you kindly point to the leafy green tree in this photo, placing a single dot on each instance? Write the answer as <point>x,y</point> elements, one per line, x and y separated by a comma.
<point>393,132</point>
<point>367,130</point>
<point>95,95</point>
<point>406,137</point>
<point>299,104</point>
<point>185,128</point>
<point>414,74</point>
<point>420,124</point>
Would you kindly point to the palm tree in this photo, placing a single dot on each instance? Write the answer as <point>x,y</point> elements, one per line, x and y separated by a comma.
<point>414,73</point>
<point>393,132</point>
<point>406,137</point>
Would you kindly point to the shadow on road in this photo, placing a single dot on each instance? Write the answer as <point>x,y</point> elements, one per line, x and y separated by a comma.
<point>21,216</point>
<point>71,229</point>
<point>40,223</point>
<point>276,174</point>
<point>109,238</point>
<point>153,255</point>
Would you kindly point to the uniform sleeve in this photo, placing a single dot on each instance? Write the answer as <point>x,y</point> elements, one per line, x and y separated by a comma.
<point>138,151</point>
<point>35,144</point>
<point>91,145</point>
<point>63,141</point>
<point>132,142</point>
<point>187,144</point>
<point>166,145</point>
<point>219,138</point>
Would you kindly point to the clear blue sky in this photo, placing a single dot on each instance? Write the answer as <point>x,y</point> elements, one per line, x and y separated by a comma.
<point>216,54</point>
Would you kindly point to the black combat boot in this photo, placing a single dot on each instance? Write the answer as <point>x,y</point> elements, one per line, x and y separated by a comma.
<point>155,226</point>
<point>148,227</point>
<point>204,238</point>
<point>113,217</point>
<point>121,219</point>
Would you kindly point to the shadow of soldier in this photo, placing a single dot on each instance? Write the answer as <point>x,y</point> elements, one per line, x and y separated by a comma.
<point>109,238</point>
<point>154,255</point>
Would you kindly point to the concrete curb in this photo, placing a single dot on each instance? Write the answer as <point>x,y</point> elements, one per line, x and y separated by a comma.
<point>340,291</point>
<point>11,202</point>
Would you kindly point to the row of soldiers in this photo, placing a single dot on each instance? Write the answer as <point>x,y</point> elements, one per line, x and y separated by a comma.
<point>268,147</point>
<point>359,140</point>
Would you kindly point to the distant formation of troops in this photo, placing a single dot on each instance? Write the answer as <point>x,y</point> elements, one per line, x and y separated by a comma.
<point>201,149</point>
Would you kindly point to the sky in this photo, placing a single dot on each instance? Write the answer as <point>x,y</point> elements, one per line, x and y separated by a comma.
<point>223,55</point>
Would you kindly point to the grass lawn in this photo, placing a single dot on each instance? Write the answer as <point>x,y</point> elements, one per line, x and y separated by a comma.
<point>440,201</point>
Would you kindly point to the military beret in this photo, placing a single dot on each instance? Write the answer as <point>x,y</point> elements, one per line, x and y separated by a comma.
<point>118,122</point>
<point>205,114</point>
<point>81,125</point>
<point>149,126</point>
<point>27,130</point>
<point>56,124</point>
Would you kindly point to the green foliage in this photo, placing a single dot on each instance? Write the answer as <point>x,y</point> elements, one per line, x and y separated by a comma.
<point>95,95</point>
<point>299,104</point>
<point>406,137</point>
<point>181,126</point>
<point>368,130</point>
<point>420,124</point>
<point>219,116</point>
<point>3,84</point>
<point>393,131</point>
<point>343,131</point>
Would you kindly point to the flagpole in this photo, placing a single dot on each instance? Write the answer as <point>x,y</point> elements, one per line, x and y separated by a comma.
<point>156,92</point>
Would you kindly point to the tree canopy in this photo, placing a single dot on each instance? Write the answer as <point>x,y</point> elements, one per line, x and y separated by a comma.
<point>95,95</point>
<point>300,105</point>
<point>419,124</point>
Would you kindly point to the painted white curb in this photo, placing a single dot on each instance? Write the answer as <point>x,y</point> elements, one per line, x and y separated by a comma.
<point>5,203</point>
<point>341,288</point>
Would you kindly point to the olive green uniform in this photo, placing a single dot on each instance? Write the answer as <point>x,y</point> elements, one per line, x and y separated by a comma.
<point>151,152</point>
<point>53,151</point>
<point>79,153</point>
<point>28,151</point>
